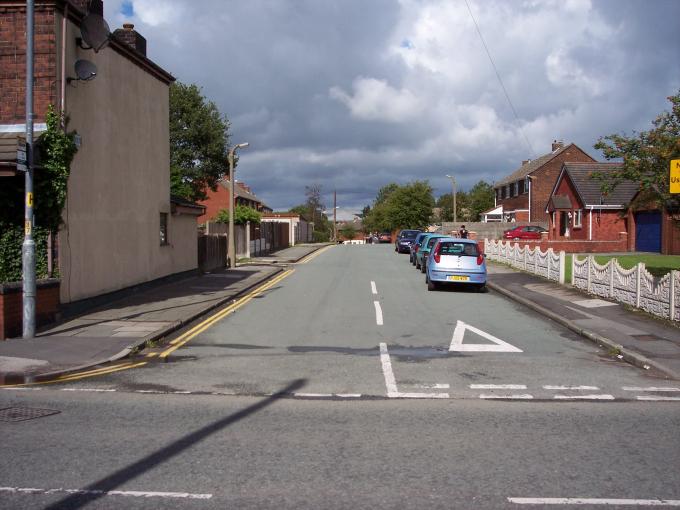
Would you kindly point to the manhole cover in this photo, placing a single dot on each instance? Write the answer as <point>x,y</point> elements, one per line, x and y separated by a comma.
<point>24,413</point>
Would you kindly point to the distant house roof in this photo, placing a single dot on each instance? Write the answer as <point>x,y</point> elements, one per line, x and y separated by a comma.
<point>589,188</point>
<point>241,192</point>
<point>531,166</point>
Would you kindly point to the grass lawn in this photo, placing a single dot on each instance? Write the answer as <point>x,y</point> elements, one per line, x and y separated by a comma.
<point>658,265</point>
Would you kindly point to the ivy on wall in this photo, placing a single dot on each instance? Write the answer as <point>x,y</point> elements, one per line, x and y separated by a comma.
<point>56,148</point>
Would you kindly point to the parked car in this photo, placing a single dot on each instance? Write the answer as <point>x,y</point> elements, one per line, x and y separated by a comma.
<point>424,250</point>
<point>455,261</point>
<point>524,232</point>
<point>405,240</point>
<point>416,246</point>
<point>385,237</point>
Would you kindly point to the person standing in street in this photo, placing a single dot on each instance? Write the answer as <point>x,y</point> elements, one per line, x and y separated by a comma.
<point>463,233</point>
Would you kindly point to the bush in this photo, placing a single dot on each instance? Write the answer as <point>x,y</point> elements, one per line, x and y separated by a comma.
<point>11,240</point>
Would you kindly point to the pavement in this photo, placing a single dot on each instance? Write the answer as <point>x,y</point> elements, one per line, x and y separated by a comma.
<point>124,326</point>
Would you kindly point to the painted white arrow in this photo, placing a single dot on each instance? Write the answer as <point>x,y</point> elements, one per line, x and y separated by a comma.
<point>497,346</point>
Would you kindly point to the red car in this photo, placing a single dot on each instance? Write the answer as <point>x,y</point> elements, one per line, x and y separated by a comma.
<point>524,232</point>
<point>385,237</point>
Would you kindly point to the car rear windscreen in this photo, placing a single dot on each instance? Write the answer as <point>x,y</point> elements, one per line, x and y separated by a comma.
<point>409,234</point>
<point>460,249</point>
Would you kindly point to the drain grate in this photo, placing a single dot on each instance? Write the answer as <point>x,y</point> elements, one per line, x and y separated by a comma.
<point>24,413</point>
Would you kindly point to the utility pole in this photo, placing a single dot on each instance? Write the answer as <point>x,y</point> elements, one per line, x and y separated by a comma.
<point>453,194</point>
<point>335,216</point>
<point>28,247</point>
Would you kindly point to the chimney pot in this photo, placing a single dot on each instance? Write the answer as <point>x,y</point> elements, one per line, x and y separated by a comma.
<point>128,26</point>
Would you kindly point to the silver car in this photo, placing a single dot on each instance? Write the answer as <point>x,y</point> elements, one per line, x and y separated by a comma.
<point>455,261</point>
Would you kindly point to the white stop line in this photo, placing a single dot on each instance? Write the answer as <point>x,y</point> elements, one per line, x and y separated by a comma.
<point>135,494</point>
<point>595,501</point>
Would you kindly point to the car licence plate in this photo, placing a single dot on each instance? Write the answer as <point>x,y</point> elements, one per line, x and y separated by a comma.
<point>458,278</point>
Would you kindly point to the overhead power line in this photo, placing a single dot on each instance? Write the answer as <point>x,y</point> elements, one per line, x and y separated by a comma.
<point>500,80</point>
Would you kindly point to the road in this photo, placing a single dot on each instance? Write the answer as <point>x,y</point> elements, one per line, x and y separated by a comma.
<point>347,384</point>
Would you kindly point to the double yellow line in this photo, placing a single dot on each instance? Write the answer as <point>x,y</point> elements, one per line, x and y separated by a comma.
<point>175,344</point>
<point>314,254</point>
<point>199,328</point>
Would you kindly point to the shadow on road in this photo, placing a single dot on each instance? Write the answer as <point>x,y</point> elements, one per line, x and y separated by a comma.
<point>100,488</point>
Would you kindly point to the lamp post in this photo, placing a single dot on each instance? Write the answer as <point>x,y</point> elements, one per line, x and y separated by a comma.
<point>231,248</point>
<point>453,194</point>
<point>28,246</point>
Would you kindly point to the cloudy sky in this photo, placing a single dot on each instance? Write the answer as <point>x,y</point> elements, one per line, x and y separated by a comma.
<point>355,94</point>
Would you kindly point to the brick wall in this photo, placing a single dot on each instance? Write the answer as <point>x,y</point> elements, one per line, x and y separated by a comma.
<point>579,246</point>
<point>13,63</point>
<point>11,306</point>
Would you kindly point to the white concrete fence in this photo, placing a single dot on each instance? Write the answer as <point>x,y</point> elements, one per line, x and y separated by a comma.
<point>635,287</point>
<point>547,264</point>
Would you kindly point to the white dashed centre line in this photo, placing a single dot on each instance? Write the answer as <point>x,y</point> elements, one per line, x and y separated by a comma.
<point>374,289</point>
<point>378,313</point>
<point>136,494</point>
<point>573,388</point>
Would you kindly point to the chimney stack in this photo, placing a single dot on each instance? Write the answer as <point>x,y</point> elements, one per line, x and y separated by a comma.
<point>131,37</point>
<point>524,162</point>
<point>557,144</point>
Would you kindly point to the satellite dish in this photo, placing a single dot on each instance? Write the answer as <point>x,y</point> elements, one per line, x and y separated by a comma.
<point>95,32</point>
<point>85,71</point>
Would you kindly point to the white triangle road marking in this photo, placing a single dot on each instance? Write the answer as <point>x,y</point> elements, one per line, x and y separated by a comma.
<point>497,346</point>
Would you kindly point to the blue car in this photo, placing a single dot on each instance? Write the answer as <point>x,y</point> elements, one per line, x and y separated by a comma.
<point>415,246</point>
<point>425,247</point>
<point>455,261</point>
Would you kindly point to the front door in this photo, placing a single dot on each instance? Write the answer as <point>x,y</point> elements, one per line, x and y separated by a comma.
<point>564,221</point>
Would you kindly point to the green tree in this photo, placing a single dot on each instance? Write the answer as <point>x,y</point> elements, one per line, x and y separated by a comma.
<point>347,231</point>
<point>199,137</point>
<point>242,215</point>
<point>408,206</point>
<point>646,156</point>
<point>481,199</point>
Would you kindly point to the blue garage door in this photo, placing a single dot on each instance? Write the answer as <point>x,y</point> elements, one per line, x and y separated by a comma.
<point>648,231</point>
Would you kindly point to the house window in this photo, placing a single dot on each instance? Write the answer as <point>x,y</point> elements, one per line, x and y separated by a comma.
<point>508,193</point>
<point>577,218</point>
<point>164,228</point>
<point>526,184</point>
<point>520,187</point>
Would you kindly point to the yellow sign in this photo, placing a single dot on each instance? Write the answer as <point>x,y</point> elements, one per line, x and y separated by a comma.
<point>675,175</point>
<point>29,199</point>
<point>28,227</point>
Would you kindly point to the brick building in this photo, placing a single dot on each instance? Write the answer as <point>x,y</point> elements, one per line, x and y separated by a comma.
<point>121,227</point>
<point>580,211</point>
<point>219,199</point>
<point>524,194</point>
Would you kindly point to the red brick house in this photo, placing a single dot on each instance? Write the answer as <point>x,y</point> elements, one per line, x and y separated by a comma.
<point>524,194</point>
<point>578,210</point>
<point>219,199</point>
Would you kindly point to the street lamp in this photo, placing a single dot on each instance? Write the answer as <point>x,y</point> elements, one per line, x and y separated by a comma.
<point>453,194</point>
<point>231,249</point>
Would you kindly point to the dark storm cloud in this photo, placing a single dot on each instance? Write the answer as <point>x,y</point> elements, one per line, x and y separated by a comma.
<point>355,94</point>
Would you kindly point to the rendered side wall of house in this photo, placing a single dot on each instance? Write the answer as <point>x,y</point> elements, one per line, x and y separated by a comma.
<point>119,181</point>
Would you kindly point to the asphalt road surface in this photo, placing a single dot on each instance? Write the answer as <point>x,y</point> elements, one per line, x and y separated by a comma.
<point>346,384</point>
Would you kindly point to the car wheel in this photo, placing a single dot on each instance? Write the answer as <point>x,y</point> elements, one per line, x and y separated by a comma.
<point>431,285</point>
<point>423,267</point>
<point>417,264</point>
<point>481,288</point>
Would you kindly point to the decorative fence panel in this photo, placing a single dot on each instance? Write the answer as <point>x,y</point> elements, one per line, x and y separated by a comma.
<point>547,264</point>
<point>635,287</point>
